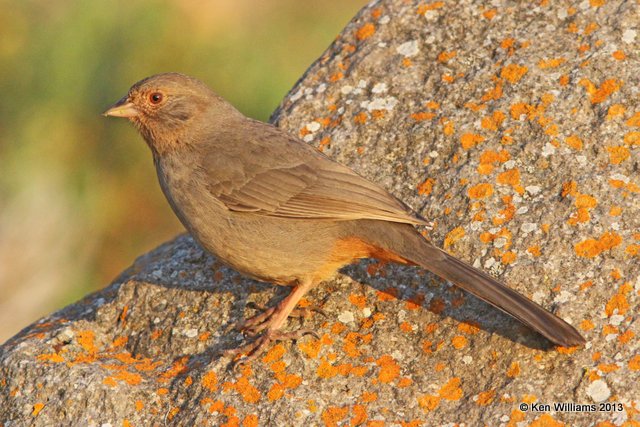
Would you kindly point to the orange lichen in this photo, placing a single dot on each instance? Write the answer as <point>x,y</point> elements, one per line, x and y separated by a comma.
<point>551,63</point>
<point>51,357</point>
<point>493,94</point>
<point>510,177</point>
<point>404,382</point>
<point>490,158</point>
<point>508,212</point>
<point>369,396</point>
<point>366,31</point>
<point>250,420</point>
<point>615,211</point>
<point>486,397</point>
<point>351,342</point>
<point>326,370</point>
<point>480,191</point>
<point>618,154</point>
<point>451,390</point>
<point>359,415</point>
<point>586,325</point>
<point>508,257</point>
<point>275,392</point>
<point>520,109</point>
<point>210,381</point>
<point>490,14</point>
<point>426,187</point>
<point>459,342</point>
<point>514,370</point>
<point>600,94</point>
<point>513,72</point>
<point>249,393</point>
<point>333,415</point>
<point>448,78</point>
<point>424,8</point>
<point>86,340</point>
<point>429,402</point>
<point>608,367</point>
<point>378,114</point>
<point>632,138</point>
<point>422,116</point>
<point>618,302</point>
<point>36,409</point>
<point>507,43</point>
<point>569,188</point>
<point>406,327</point>
<point>619,55</point>
<point>615,110</point>
<point>128,377</point>
<point>275,353</point>
<point>453,236</point>
<point>448,127</point>
<point>615,274</point>
<point>634,363</point>
<point>584,203</point>
<point>625,337</point>
<point>634,121</point>
<point>339,75</point>
<point>633,249</point>
<point>389,369</point>
<point>534,250</point>
<point>574,142</point>
<point>359,301</point>
<point>446,56</point>
<point>494,121</point>
<point>591,248</point>
<point>590,28</point>
<point>360,118</point>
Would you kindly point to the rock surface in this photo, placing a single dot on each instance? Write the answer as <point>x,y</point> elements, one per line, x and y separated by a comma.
<point>516,128</point>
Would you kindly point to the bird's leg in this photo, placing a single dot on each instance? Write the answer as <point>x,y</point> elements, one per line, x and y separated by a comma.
<point>271,322</point>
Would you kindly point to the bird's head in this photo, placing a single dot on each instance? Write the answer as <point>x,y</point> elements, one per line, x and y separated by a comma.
<point>171,110</point>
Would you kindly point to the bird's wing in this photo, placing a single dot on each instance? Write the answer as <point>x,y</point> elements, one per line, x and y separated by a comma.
<point>284,177</point>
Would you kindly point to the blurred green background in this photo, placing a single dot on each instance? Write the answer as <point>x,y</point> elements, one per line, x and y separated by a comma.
<point>79,199</point>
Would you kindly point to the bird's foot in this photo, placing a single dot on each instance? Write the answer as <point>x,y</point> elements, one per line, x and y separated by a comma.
<point>255,324</point>
<point>259,346</point>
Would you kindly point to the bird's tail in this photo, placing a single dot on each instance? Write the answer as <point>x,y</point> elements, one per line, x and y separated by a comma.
<point>404,240</point>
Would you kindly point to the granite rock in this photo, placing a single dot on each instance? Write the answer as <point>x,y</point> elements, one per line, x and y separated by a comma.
<point>515,127</point>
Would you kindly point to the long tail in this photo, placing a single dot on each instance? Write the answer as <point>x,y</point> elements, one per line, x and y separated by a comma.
<point>405,241</point>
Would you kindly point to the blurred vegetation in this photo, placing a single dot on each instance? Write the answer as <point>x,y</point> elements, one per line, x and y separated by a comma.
<point>78,193</point>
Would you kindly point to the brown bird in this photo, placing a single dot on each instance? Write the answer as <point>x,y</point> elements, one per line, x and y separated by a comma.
<point>277,210</point>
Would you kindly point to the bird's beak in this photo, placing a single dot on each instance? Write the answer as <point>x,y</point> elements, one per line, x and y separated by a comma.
<point>122,108</point>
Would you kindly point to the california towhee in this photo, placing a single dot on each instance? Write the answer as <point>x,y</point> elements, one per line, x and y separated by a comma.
<point>277,210</point>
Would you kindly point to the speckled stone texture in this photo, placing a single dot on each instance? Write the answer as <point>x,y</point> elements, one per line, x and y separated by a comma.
<point>516,128</point>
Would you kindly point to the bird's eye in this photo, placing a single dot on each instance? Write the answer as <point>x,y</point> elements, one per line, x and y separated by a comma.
<point>155,98</point>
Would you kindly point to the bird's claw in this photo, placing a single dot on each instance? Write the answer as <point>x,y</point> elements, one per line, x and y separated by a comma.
<point>259,346</point>
<point>255,324</point>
